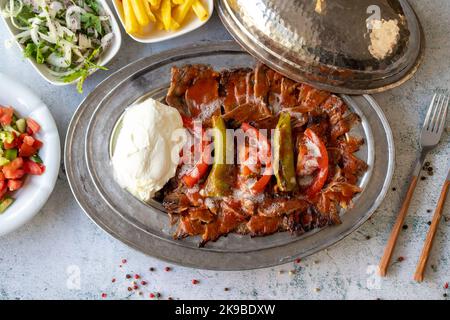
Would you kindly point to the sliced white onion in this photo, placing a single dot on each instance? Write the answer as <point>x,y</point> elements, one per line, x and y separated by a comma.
<point>48,38</point>
<point>106,40</point>
<point>57,61</point>
<point>34,34</point>
<point>23,34</point>
<point>84,42</point>
<point>73,14</point>
<point>55,7</point>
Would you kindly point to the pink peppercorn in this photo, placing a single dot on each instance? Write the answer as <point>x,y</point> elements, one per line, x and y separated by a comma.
<point>194,281</point>
<point>104,295</point>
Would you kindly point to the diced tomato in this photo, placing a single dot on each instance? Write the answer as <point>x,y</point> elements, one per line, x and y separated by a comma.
<point>15,164</point>
<point>12,145</point>
<point>29,140</point>
<point>6,115</point>
<point>26,150</point>
<point>33,168</point>
<point>37,144</point>
<point>33,125</point>
<point>3,188</point>
<point>13,173</point>
<point>14,185</point>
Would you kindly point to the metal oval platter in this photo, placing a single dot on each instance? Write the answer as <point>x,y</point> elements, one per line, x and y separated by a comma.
<point>145,226</point>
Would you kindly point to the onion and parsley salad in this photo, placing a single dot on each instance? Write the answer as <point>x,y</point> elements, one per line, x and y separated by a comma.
<point>68,36</point>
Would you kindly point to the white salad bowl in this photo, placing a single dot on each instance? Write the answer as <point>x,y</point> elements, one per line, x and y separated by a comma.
<point>105,57</point>
<point>153,35</point>
<point>36,190</point>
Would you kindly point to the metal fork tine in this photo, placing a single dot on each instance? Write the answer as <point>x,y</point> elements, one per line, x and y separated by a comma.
<point>436,107</point>
<point>428,116</point>
<point>443,116</point>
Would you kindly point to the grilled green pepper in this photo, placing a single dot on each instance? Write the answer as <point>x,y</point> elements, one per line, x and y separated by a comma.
<point>220,179</point>
<point>284,167</point>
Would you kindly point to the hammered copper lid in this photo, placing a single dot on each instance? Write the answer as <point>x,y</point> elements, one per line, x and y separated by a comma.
<point>345,46</point>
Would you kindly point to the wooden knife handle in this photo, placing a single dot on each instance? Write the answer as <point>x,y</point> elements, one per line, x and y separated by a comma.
<point>387,256</point>
<point>431,234</point>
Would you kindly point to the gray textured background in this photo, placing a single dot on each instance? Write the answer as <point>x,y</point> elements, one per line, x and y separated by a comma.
<point>43,258</point>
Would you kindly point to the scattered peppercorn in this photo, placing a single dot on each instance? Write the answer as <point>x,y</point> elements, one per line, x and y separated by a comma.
<point>394,189</point>
<point>113,280</point>
<point>144,283</point>
<point>445,295</point>
<point>151,295</point>
<point>152,269</point>
<point>124,261</point>
<point>194,281</point>
<point>368,238</point>
<point>226,289</point>
<point>158,295</point>
<point>104,295</point>
<point>298,260</point>
<point>429,210</point>
<point>427,164</point>
<point>446,286</point>
<point>401,259</point>
<point>430,169</point>
<point>129,288</point>
<point>167,269</point>
<point>405,227</point>
<point>423,178</point>
<point>430,173</point>
<point>136,276</point>
<point>429,223</point>
<point>128,276</point>
<point>169,298</point>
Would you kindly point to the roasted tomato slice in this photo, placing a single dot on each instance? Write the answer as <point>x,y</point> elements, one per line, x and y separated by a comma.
<point>264,155</point>
<point>201,167</point>
<point>312,158</point>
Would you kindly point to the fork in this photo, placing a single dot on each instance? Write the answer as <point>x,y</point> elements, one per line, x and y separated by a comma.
<point>431,135</point>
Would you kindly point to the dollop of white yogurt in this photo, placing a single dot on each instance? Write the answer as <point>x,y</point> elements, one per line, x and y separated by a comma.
<point>146,154</point>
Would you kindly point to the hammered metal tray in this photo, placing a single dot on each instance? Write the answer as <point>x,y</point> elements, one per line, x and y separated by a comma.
<point>145,226</point>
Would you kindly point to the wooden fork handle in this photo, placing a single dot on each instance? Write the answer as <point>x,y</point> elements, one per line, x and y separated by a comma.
<point>431,234</point>
<point>387,256</point>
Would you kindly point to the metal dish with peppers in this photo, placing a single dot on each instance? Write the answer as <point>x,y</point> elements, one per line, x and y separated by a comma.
<point>19,156</point>
<point>309,171</point>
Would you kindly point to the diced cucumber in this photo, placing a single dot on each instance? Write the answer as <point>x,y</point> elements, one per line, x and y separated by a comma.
<point>21,125</point>
<point>6,136</point>
<point>36,159</point>
<point>11,154</point>
<point>5,203</point>
<point>4,161</point>
<point>12,130</point>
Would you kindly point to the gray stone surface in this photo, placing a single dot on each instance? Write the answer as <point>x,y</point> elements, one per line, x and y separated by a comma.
<point>44,258</point>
